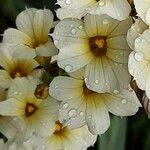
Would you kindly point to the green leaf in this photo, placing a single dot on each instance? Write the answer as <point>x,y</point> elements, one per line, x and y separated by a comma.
<point>115,137</point>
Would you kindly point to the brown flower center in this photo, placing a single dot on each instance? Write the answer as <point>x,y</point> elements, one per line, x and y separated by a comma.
<point>58,128</point>
<point>30,109</point>
<point>98,45</point>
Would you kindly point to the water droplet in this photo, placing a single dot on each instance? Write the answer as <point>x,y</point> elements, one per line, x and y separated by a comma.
<point>89,117</point>
<point>80,27</point>
<point>119,15</point>
<point>105,21</point>
<point>123,101</point>
<point>101,3</point>
<point>81,113</point>
<point>71,25</point>
<point>116,92</point>
<point>65,106</point>
<point>72,113</point>
<point>68,2</point>
<point>15,92</point>
<point>56,42</point>
<point>68,68</point>
<point>139,56</point>
<point>43,147</point>
<point>56,87</point>
<point>73,31</point>
<point>96,81</point>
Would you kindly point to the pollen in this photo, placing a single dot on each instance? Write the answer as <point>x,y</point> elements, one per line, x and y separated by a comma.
<point>98,45</point>
<point>58,128</point>
<point>30,109</point>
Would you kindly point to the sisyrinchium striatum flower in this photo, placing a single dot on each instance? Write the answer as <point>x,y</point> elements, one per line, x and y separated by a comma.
<point>99,44</point>
<point>117,9</point>
<point>83,106</point>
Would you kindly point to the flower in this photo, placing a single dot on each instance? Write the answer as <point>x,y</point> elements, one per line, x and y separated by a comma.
<point>32,33</point>
<point>82,106</point>
<point>8,126</point>
<point>143,10</point>
<point>36,115</point>
<point>64,138</point>
<point>117,9</point>
<point>99,44</point>
<point>139,59</point>
<point>13,67</point>
<point>136,29</point>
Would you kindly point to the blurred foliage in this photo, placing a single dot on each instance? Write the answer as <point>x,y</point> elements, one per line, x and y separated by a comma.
<point>138,126</point>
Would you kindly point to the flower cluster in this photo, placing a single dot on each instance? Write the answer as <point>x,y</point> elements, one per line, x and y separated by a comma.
<point>61,79</point>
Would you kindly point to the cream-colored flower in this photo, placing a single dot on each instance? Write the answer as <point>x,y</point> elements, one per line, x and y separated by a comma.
<point>81,105</point>
<point>64,138</point>
<point>99,44</point>
<point>8,126</point>
<point>139,66</point>
<point>136,29</point>
<point>37,115</point>
<point>117,9</point>
<point>15,67</point>
<point>143,9</point>
<point>32,33</point>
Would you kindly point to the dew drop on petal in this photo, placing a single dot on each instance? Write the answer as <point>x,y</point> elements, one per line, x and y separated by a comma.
<point>68,68</point>
<point>80,27</point>
<point>89,117</point>
<point>71,25</point>
<point>72,113</point>
<point>65,106</point>
<point>124,101</point>
<point>105,21</point>
<point>96,81</point>
<point>56,42</point>
<point>43,147</point>
<point>139,56</point>
<point>81,113</point>
<point>15,92</point>
<point>68,2</point>
<point>56,32</point>
<point>116,92</point>
<point>73,31</point>
<point>101,3</point>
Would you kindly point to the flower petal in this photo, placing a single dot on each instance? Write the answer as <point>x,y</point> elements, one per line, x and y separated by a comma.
<point>5,79</point>
<point>100,76</point>
<point>123,104</point>
<point>74,57</point>
<point>24,21</point>
<point>97,116</point>
<point>11,107</point>
<point>64,88</point>
<point>47,49</point>
<point>117,9</point>
<point>43,21</point>
<point>69,31</point>
<point>20,37</point>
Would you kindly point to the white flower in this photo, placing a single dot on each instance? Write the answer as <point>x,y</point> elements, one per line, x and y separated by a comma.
<point>37,115</point>
<point>98,44</point>
<point>64,138</point>
<point>32,34</point>
<point>117,9</point>
<point>143,9</point>
<point>81,105</point>
<point>15,67</point>
<point>139,59</point>
<point>136,29</point>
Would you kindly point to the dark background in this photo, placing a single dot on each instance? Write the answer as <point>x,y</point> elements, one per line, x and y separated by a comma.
<point>138,126</point>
